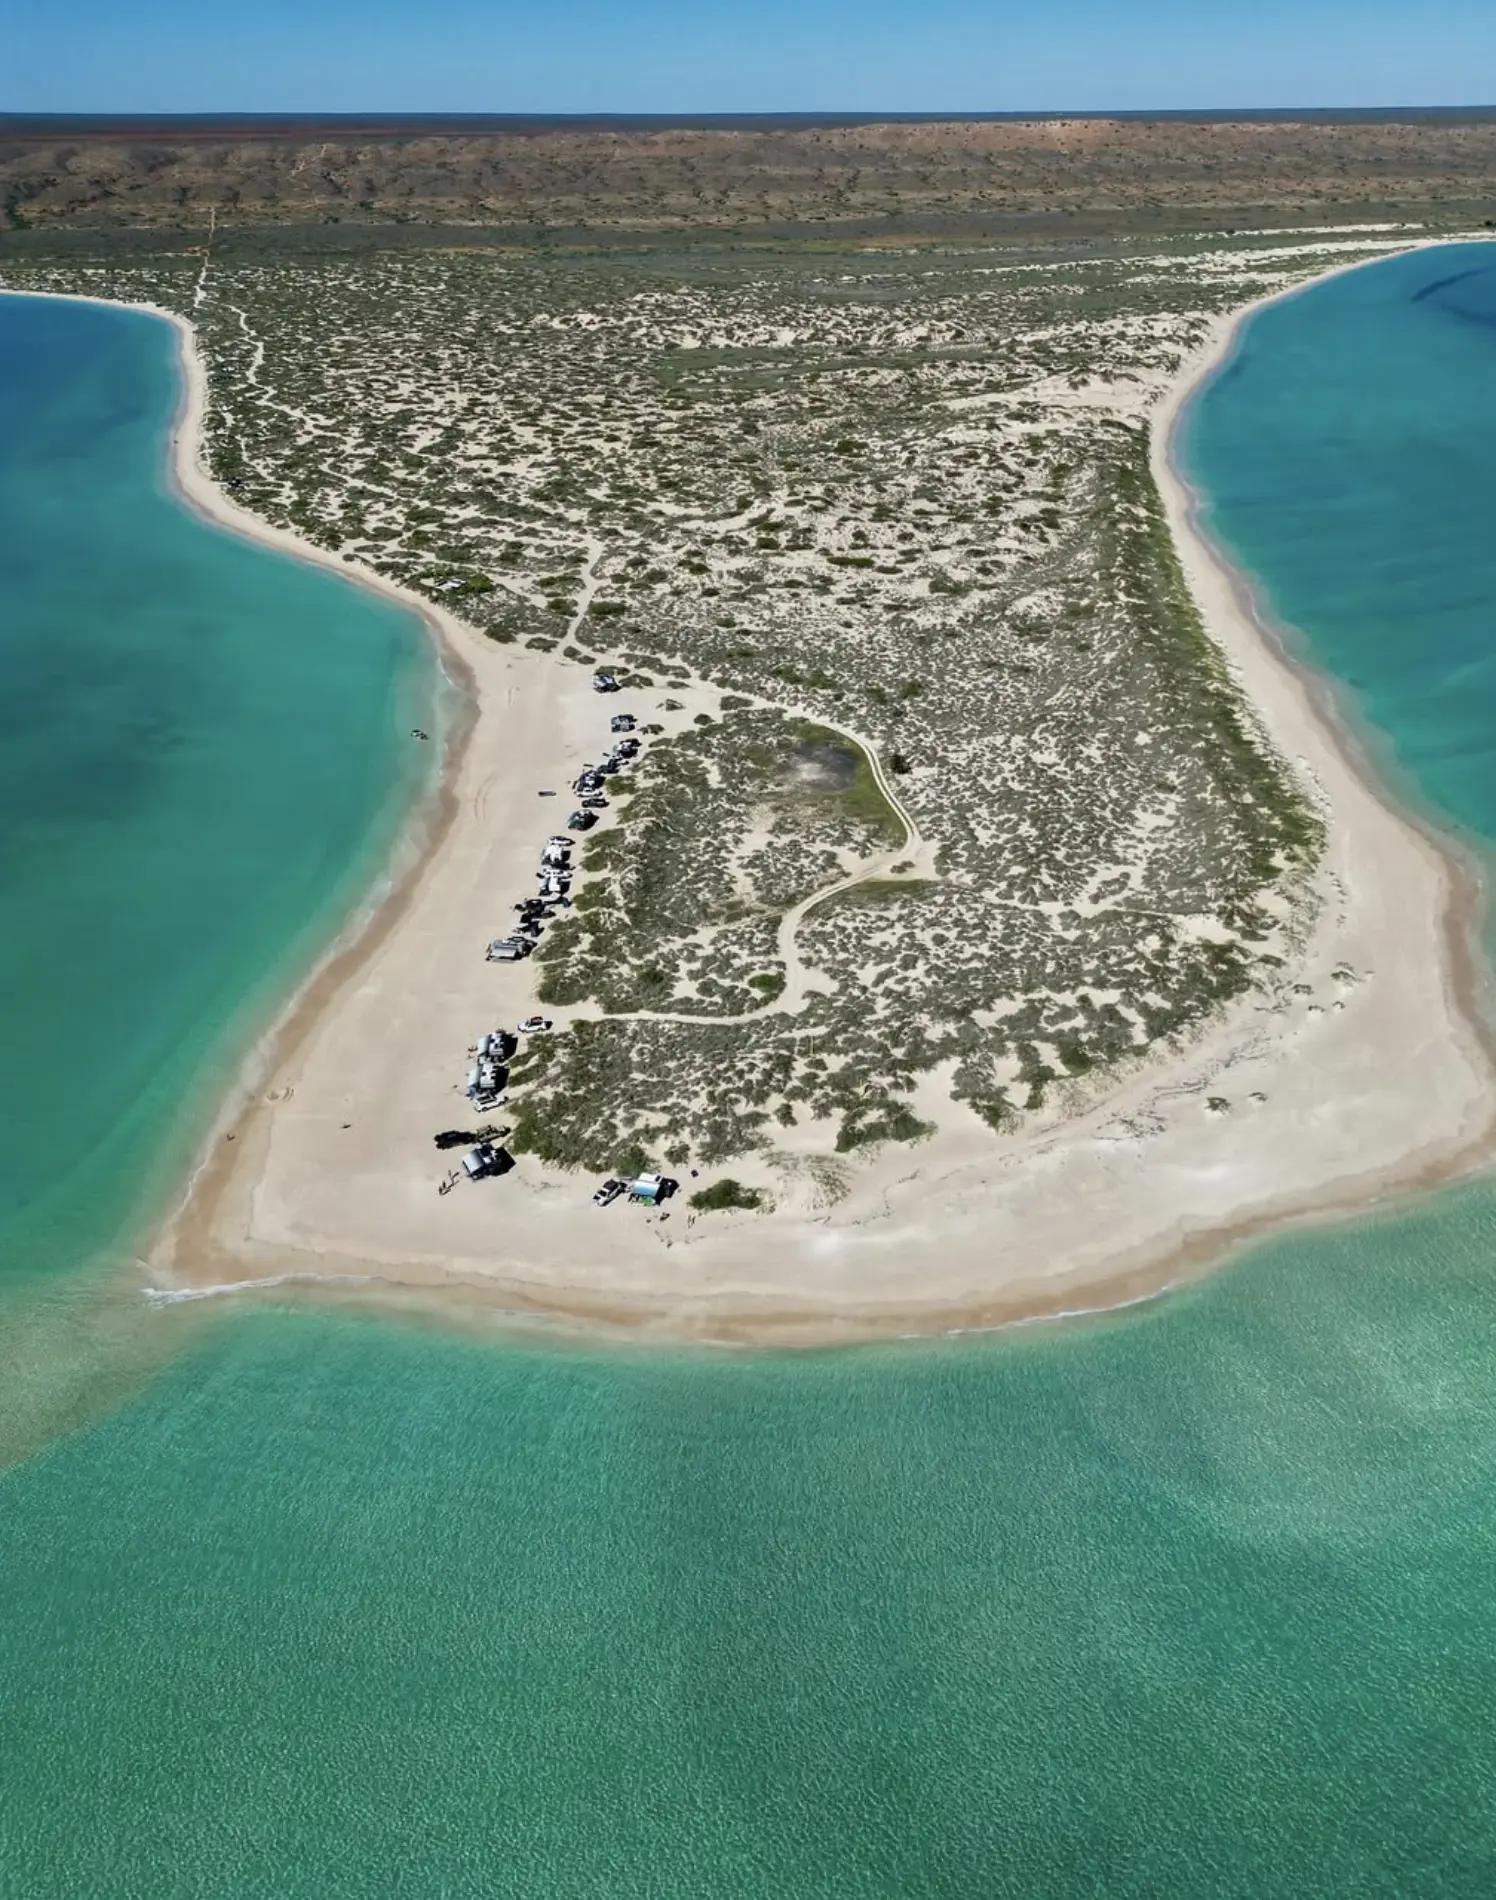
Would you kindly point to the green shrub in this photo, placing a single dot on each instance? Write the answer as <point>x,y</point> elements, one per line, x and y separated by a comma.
<point>726,1193</point>
<point>882,1121</point>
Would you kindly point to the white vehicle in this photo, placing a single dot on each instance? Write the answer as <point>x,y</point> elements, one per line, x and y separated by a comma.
<point>534,1025</point>
<point>508,949</point>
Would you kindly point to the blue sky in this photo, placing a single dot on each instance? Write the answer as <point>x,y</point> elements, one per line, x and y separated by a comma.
<point>782,55</point>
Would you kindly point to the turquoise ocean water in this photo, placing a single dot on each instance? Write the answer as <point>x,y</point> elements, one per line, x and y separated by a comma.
<point>204,760</point>
<point>1199,1599</point>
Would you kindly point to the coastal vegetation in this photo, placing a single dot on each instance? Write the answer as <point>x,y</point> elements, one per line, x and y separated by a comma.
<point>888,507</point>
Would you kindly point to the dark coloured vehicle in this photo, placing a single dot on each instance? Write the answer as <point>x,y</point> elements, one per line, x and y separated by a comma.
<point>484,1160</point>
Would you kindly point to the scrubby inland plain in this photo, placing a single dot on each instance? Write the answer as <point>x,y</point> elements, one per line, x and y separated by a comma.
<point>973,816</point>
<point>972,177</point>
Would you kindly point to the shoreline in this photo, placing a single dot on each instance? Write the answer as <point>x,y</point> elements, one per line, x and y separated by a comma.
<point>915,1246</point>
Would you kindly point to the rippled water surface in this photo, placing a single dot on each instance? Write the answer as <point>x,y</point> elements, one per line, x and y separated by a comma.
<point>1196,1600</point>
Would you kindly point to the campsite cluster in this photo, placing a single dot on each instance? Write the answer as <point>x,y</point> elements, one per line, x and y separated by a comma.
<point>488,1076</point>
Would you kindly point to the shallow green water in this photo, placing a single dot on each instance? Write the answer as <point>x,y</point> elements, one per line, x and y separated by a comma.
<point>1197,1600</point>
<point>1193,1600</point>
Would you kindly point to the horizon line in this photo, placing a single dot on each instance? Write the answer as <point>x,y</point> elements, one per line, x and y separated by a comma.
<point>13,123</point>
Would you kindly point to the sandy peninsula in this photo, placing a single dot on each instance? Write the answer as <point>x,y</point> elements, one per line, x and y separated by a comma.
<point>1365,1073</point>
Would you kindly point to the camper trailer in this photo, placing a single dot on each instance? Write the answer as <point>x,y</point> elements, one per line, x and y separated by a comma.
<point>651,1189</point>
<point>486,1082</point>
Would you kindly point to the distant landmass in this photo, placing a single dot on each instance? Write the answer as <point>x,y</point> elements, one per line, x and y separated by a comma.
<point>524,175</point>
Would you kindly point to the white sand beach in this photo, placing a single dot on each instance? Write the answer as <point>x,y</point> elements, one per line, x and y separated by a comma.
<point>1365,1075</point>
